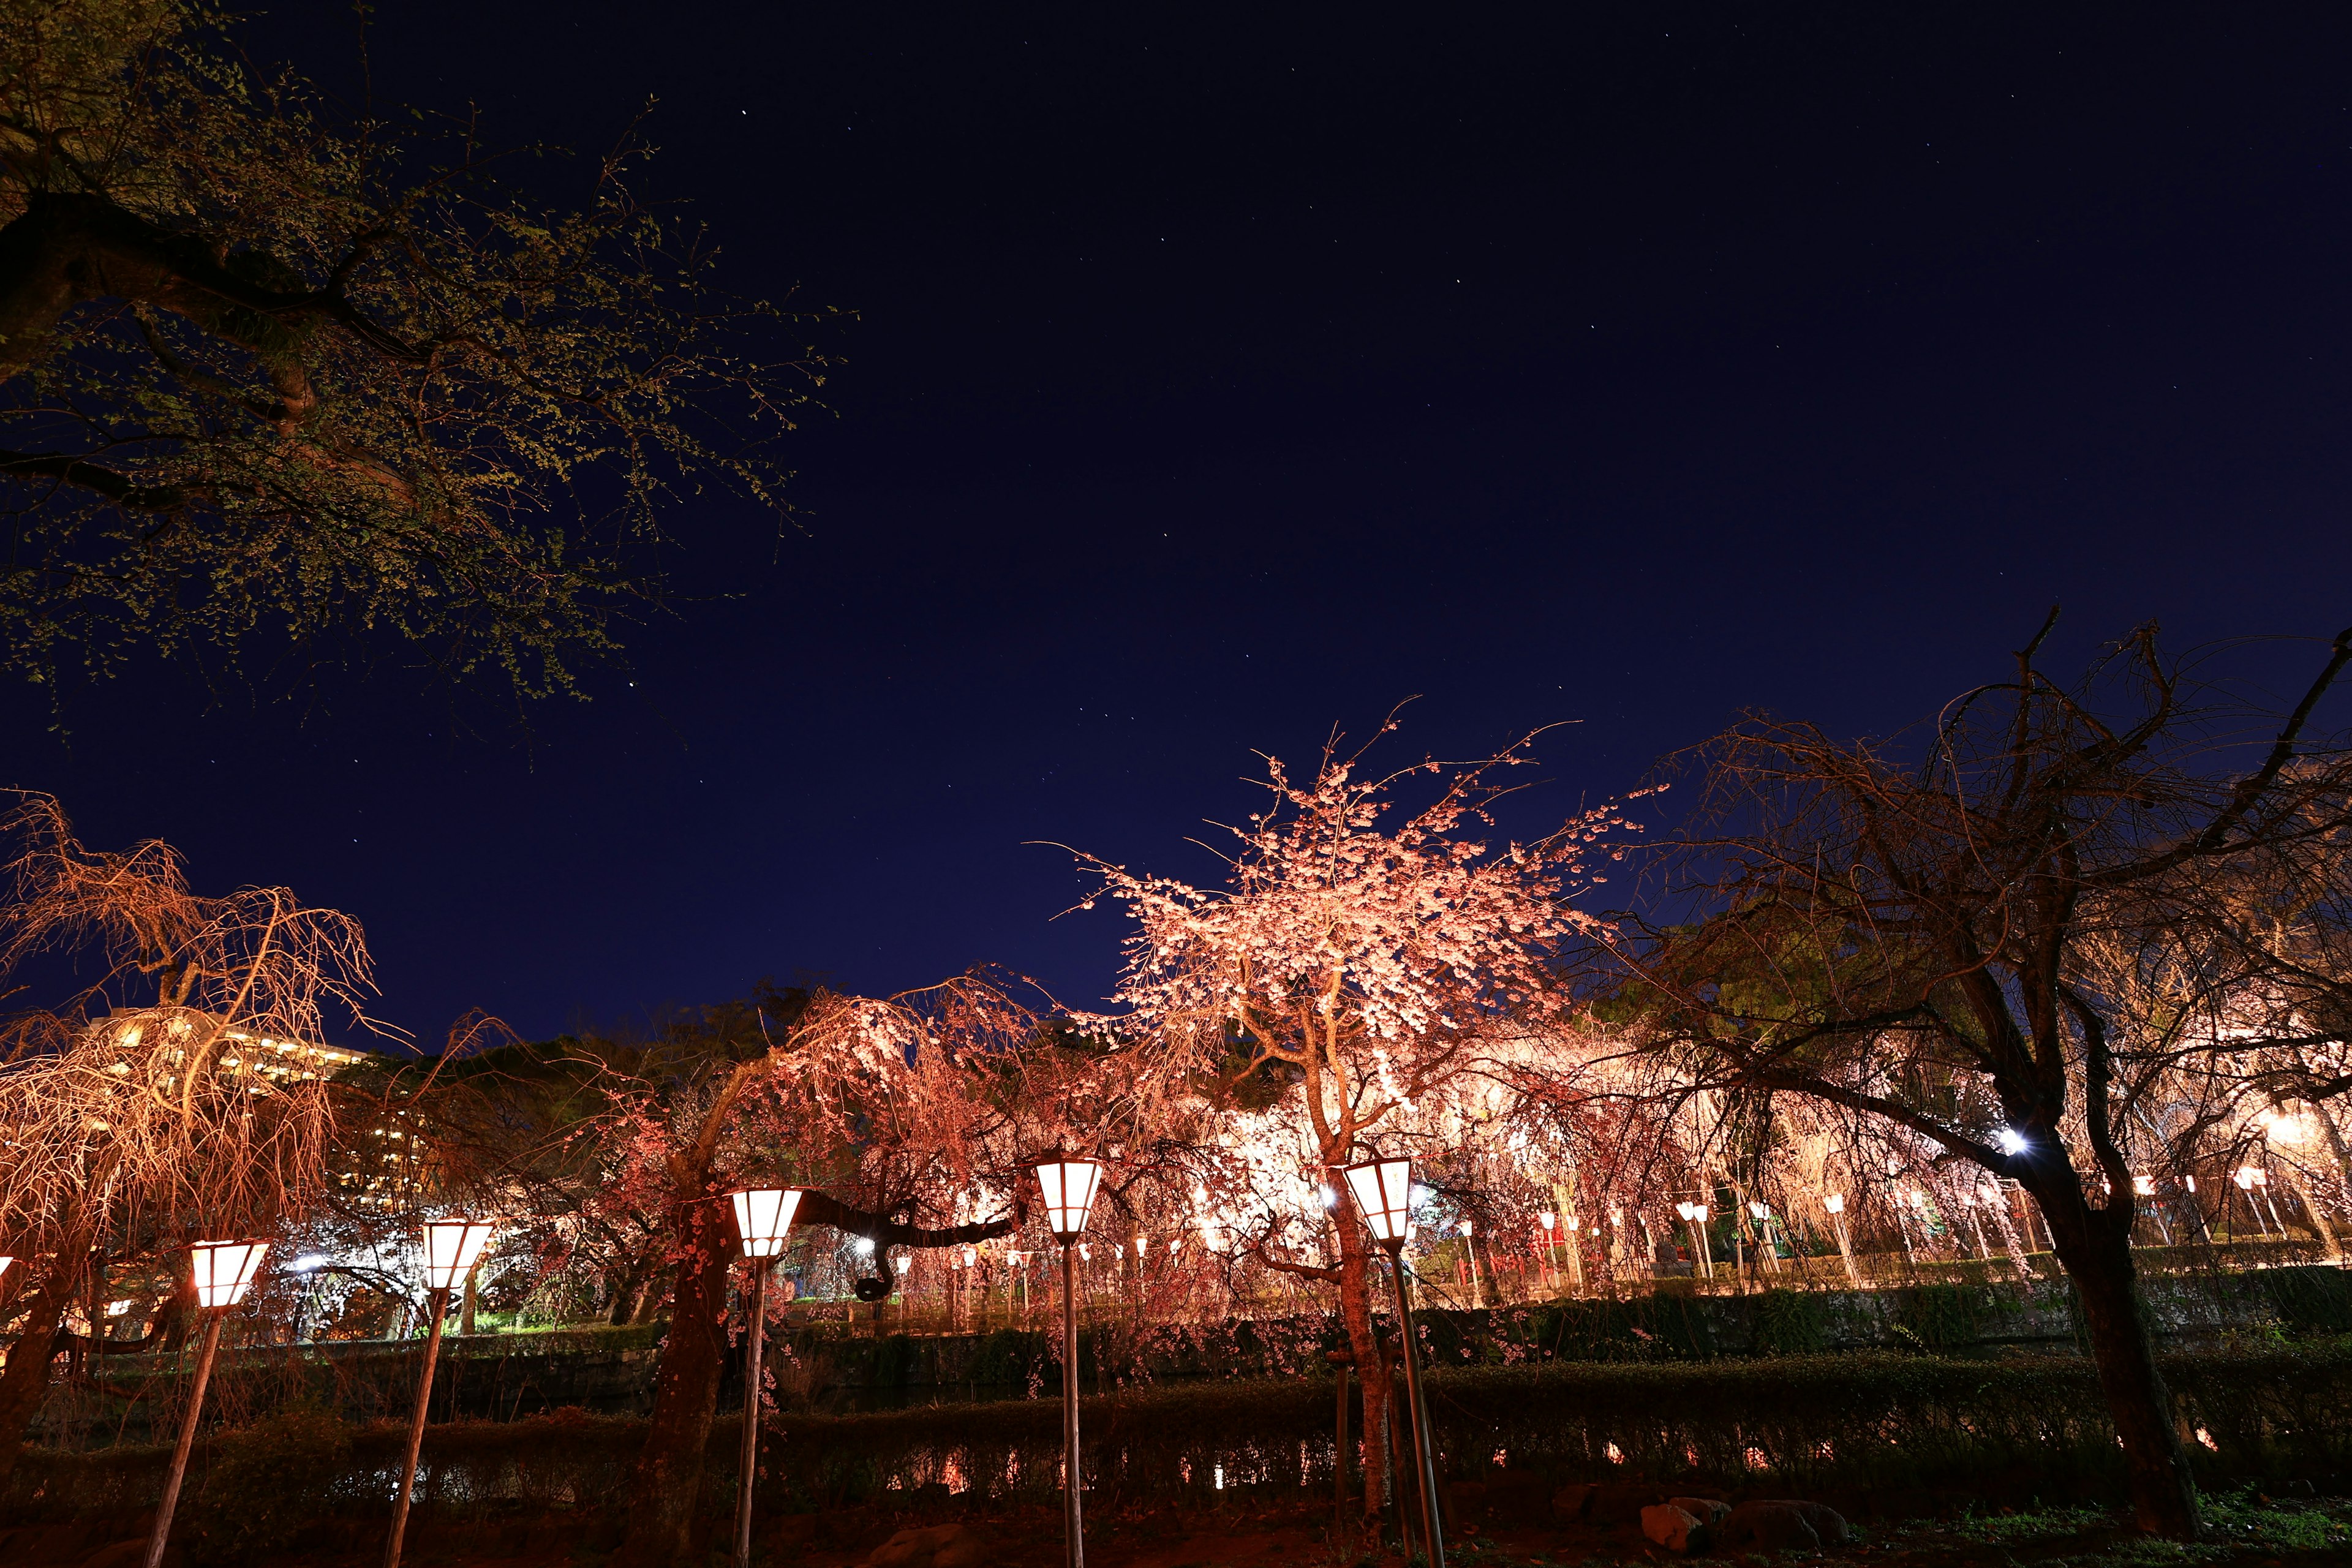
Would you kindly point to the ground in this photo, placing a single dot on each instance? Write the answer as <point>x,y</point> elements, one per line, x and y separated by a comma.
<point>2248,1531</point>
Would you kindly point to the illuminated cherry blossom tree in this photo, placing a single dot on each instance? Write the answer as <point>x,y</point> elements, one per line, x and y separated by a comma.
<point>1364,951</point>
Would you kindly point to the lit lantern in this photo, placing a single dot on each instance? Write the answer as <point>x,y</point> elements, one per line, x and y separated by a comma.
<point>1069,1186</point>
<point>225,1270</point>
<point>2245,1178</point>
<point>1547,1219</point>
<point>452,1247</point>
<point>762,1217</point>
<point>970,1259</point>
<point>1142,1245</point>
<point>1466,1227</point>
<point>1383,1191</point>
<point>1758,1211</point>
<point>1574,1224</point>
<point>2143,1185</point>
<point>1834,1203</point>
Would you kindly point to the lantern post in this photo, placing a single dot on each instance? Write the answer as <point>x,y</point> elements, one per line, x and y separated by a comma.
<point>763,1216</point>
<point>1068,1188</point>
<point>452,1247</point>
<point>1383,1193</point>
<point>224,1272</point>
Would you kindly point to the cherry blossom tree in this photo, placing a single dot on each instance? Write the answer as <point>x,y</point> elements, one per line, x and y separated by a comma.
<point>1364,954</point>
<point>170,1094</point>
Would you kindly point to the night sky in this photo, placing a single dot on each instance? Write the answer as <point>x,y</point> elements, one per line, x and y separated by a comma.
<point>1223,377</point>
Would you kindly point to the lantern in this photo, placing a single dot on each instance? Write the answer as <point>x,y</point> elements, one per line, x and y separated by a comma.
<point>1383,1191</point>
<point>2245,1178</point>
<point>1834,1203</point>
<point>1574,1224</point>
<point>1069,1186</point>
<point>762,1217</point>
<point>1466,1227</point>
<point>2143,1185</point>
<point>225,1270</point>
<point>451,1247</point>
<point>1758,1211</point>
<point>1546,1219</point>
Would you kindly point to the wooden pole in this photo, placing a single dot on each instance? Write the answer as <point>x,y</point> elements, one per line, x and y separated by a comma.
<point>751,1413</point>
<point>438,1304</point>
<point>171,1497</point>
<point>1425,1467</point>
<point>1073,1523</point>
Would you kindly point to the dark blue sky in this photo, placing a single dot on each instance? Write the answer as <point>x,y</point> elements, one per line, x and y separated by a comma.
<point>1221,377</point>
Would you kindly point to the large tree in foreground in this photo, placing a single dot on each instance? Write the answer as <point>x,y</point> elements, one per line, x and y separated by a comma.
<point>1365,953</point>
<point>2065,933</point>
<point>271,376</point>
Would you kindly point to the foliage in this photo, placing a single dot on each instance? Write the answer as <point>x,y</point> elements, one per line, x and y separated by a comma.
<point>274,374</point>
<point>1842,1422</point>
<point>267,1482</point>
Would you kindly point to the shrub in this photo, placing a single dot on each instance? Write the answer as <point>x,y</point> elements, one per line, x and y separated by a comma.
<point>265,1482</point>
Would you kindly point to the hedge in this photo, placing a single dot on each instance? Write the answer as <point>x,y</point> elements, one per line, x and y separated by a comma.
<point>1855,1421</point>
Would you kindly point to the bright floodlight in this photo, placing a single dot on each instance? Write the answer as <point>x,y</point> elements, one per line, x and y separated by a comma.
<point>451,1247</point>
<point>1834,1203</point>
<point>762,1215</point>
<point>1069,1186</point>
<point>1384,1190</point>
<point>225,1270</point>
<point>2011,1140</point>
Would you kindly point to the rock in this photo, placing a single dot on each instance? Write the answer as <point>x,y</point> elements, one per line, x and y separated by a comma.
<point>1827,1522</point>
<point>1769,1527</point>
<point>1674,1529</point>
<point>1570,1501</point>
<point>1707,1510</point>
<point>1619,1503</point>
<point>941,1546</point>
<point>1780,1525</point>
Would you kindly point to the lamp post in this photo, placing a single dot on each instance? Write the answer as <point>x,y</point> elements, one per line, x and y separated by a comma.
<point>1835,1204</point>
<point>762,1217</point>
<point>452,1247</point>
<point>224,1271</point>
<point>1068,1188</point>
<point>1383,1193</point>
<point>1548,1219</point>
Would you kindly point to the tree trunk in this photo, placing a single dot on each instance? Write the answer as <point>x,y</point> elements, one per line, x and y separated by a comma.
<point>1372,1366</point>
<point>2098,1255</point>
<point>668,1477</point>
<point>25,1383</point>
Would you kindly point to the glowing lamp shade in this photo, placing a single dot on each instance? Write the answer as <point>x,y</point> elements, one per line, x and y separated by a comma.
<point>2245,1177</point>
<point>1546,1219</point>
<point>452,1247</point>
<point>762,1217</point>
<point>1068,1187</point>
<point>1384,1190</point>
<point>2143,1185</point>
<point>1834,1203</point>
<point>225,1270</point>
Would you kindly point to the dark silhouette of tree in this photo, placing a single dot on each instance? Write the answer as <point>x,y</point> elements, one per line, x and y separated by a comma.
<point>272,377</point>
<point>2058,910</point>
